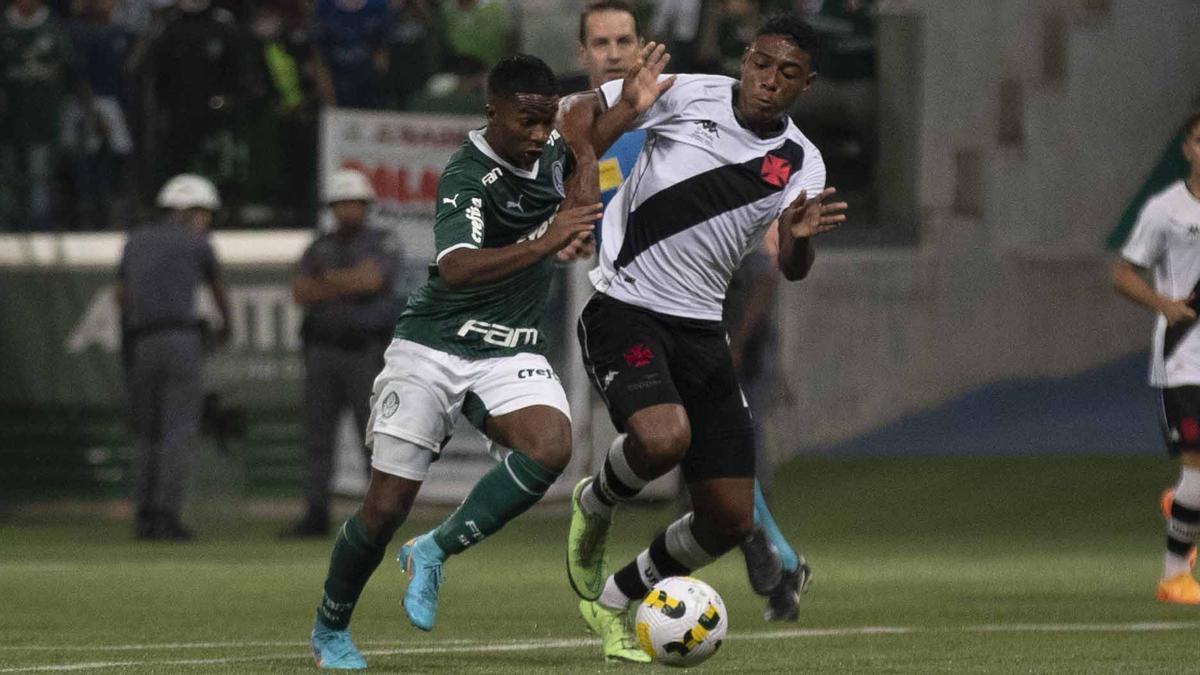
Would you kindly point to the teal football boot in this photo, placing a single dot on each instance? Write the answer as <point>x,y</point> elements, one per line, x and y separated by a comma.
<point>421,559</point>
<point>334,650</point>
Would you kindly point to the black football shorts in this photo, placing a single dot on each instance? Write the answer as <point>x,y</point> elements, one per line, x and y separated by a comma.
<point>1181,418</point>
<point>637,358</point>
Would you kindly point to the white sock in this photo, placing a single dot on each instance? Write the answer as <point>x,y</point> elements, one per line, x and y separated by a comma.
<point>683,554</point>
<point>591,504</point>
<point>612,597</point>
<point>683,545</point>
<point>1187,491</point>
<point>1183,531</point>
<point>1174,565</point>
<point>614,483</point>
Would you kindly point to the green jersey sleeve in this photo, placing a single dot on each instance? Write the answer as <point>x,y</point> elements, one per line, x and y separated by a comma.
<point>459,222</point>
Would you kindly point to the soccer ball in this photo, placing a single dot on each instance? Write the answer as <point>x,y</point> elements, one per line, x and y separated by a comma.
<point>681,622</point>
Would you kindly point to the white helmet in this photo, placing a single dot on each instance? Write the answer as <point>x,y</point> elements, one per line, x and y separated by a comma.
<point>348,185</point>
<point>189,191</point>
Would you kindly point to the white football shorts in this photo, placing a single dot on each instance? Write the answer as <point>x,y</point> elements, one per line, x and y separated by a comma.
<point>420,390</point>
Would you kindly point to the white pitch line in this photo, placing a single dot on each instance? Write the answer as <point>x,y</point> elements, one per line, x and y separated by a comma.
<point>201,645</point>
<point>468,647</point>
<point>1143,627</point>
<point>441,648</point>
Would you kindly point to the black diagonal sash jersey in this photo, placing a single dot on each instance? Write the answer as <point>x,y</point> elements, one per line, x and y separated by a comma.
<point>702,193</point>
<point>706,195</point>
<point>1174,335</point>
<point>1166,240</point>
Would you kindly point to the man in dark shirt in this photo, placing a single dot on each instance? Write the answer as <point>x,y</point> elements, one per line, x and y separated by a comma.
<point>161,268</point>
<point>198,68</point>
<point>345,283</point>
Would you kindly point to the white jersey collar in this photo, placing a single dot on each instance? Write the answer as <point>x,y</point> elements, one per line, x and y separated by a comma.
<point>476,136</point>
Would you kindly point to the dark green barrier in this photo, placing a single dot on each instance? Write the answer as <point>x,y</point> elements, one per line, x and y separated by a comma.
<point>63,425</point>
<point>62,421</point>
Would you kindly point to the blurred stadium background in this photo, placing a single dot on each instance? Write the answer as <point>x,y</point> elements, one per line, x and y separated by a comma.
<point>957,341</point>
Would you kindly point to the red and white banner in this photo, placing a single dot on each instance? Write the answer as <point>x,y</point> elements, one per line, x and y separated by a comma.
<point>402,153</point>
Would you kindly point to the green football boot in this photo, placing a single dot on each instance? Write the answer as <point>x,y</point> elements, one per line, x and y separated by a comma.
<point>616,637</point>
<point>586,568</point>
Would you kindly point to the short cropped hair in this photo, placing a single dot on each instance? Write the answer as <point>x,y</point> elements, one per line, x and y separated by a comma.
<point>606,6</point>
<point>794,28</point>
<point>1190,124</point>
<point>521,74</point>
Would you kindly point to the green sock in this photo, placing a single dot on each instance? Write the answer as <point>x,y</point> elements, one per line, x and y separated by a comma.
<point>505,492</point>
<point>353,560</point>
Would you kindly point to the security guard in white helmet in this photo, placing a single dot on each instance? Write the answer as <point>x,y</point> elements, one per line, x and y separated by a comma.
<point>161,268</point>
<point>345,282</point>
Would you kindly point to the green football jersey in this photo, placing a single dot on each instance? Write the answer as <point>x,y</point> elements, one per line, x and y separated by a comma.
<point>486,202</point>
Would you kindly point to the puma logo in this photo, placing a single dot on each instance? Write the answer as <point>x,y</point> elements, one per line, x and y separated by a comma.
<point>451,201</point>
<point>516,206</point>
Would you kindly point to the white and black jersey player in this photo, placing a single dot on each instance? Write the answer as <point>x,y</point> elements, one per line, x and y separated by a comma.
<point>721,162</point>
<point>1166,241</point>
<point>703,191</point>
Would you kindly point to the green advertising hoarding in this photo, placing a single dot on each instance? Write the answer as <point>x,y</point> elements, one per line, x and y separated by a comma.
<point>61,341</point>
<point>63,427</point>
<point>63,417</point>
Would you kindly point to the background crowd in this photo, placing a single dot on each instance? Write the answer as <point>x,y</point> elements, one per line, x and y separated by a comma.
<point>102,100</point>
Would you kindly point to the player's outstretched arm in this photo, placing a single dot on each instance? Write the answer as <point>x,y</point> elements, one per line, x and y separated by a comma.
<point>583,183</point>
<point>466,267</point>
<point>802,220</point>
<point>1129,282</point>
<point>582,187</point>
<point>639,90</point>
<point>576,117</point>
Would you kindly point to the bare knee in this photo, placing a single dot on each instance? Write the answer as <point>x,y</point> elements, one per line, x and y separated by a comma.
<point>386,505</point>
<point>549,446</point>
<point>541,433</point>
<point>662,435</point>
<point>666,443</point>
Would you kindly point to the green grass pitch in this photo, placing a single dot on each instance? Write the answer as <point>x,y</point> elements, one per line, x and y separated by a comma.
<point>923,565</point>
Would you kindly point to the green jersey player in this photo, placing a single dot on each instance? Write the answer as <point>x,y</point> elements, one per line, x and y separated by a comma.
<point>486,202</point>
<point>516,195</point>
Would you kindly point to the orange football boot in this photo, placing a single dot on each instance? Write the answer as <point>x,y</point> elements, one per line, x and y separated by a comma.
<point>1181,589</point>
